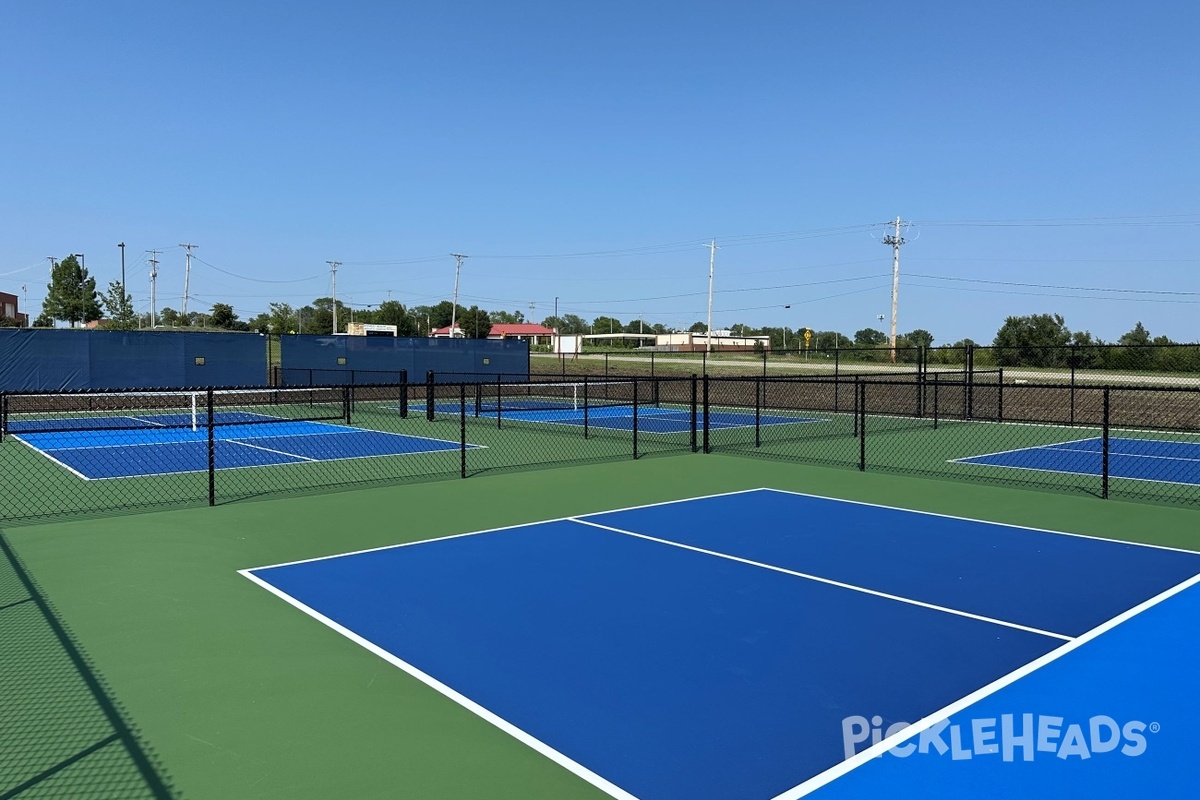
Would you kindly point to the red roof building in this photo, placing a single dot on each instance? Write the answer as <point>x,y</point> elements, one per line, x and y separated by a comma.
<point>527,331</point>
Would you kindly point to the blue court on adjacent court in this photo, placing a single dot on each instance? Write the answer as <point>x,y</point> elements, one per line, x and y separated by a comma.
<point>1159,460</point>
<point>716,647</point>
<point>650,419</point>
<point>170,446</point>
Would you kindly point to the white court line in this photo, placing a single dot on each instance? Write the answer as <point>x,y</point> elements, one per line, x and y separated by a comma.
<point>47,455</point>
<point>840,769</point>
<point>564,761</point>
<point>269,450</point>
<point>829,581</point>
<point>974,462</point>
<point>501,528</point>
<point>982,521</point>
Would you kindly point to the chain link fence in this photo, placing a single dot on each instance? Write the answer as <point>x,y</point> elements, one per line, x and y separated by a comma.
<point>87,452</point>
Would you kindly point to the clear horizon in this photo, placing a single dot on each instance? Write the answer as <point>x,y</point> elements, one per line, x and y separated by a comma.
<point>1044,156</point>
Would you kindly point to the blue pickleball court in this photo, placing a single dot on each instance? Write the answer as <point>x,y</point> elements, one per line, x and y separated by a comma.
<point>1161,460</point>
<point>166,445</point>
<point>716,647</point>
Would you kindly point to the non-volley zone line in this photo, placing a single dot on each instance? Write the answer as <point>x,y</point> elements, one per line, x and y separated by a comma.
<point>1150,460</point>
<point>746,625</point>
<point>141,453</point>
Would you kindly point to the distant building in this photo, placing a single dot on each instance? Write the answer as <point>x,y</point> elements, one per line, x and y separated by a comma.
<point>10,309</point>
<point>525,331</point>
<point>371,329</point>
<point>721,340</point>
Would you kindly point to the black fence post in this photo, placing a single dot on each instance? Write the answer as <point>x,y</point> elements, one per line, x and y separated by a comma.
<point>585,406</point>
<point>693,409</point>
<point>1073,356</point>
<point>969,406</point>
<point>462,429</point>
<point>935,400</point>
<point>707,449</point>
<point>764,355</point>
<point>651,363</point>
<point>758,388</point>
<point>429,395</point>
<point>635,419</point>
<point>3,414</point>
<point>862,427</point>
<point>1104,459</point>
<point>499,402</point>
<point>347,394</point>
<point>212,451</point>
<point>403,394</point>
<point>857,398</point>
<point>1000,395</point>
<point>704,357</point>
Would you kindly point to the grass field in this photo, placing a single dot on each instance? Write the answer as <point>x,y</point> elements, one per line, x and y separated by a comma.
<point>143,621</point>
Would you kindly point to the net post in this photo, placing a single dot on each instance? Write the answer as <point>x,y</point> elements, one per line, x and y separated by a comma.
<point>462,429</point>
<point>499,403</point>
<point>403,394</point>
<point>635,419</point>
<point>707,448</point>
<point>1106,440</point>
<point>346,404</point>
<point>862,427</point>
<point>429,395</point>
<point>212,451</point>
<point>758,386</point>
<point>3,415</point>
<point>585,406</point>
<point>478,393</point>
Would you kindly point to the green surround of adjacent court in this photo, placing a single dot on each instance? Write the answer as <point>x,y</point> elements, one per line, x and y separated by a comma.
<point>235,694</point>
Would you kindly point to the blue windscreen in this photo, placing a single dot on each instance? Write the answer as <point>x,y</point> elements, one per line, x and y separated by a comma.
<point>65,360</point>
<point>323,360</point>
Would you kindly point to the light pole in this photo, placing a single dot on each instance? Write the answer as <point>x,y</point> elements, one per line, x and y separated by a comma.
<point>785,334</point>
<point>122,246</point>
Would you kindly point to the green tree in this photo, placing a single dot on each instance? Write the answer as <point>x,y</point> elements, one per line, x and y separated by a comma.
<point>698,327</point>
<point>1037,340</point>
<point>119,305</point>
<point>281,318</point>
<point>475,323</point>
<point>168,318</point>
<point>71,294</point>
<point>1139,336</point>
<point>506,317</point>
<point>9,322</point>
<point>607,325</point>
<point>919,338</point>
<point>869,337</point>
<point>222,317</point>
<point>44,320</point>
<point>393,312</point>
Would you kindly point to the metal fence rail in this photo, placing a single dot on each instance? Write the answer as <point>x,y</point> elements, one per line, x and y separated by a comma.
<point>86,452</point>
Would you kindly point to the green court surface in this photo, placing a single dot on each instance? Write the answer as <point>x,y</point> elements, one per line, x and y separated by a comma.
<point>142,655</point>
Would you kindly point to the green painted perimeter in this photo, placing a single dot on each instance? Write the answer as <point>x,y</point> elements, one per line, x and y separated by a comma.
<point>238,694</point>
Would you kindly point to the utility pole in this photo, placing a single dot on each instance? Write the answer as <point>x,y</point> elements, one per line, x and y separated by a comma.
<point>25,291</point>
<point>532,304</point>
<point>153,286</point>
<point>895,241</point>
<point>458,257</point>
<point>187,273</point>
<point>123,292</point>
<point>712,258</point>
<point>333,265</point>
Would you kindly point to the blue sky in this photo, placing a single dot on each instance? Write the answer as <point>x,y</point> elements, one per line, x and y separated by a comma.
<point>587,152</point>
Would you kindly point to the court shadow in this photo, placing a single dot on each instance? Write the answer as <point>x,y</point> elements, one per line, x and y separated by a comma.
<point>63,733</point>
